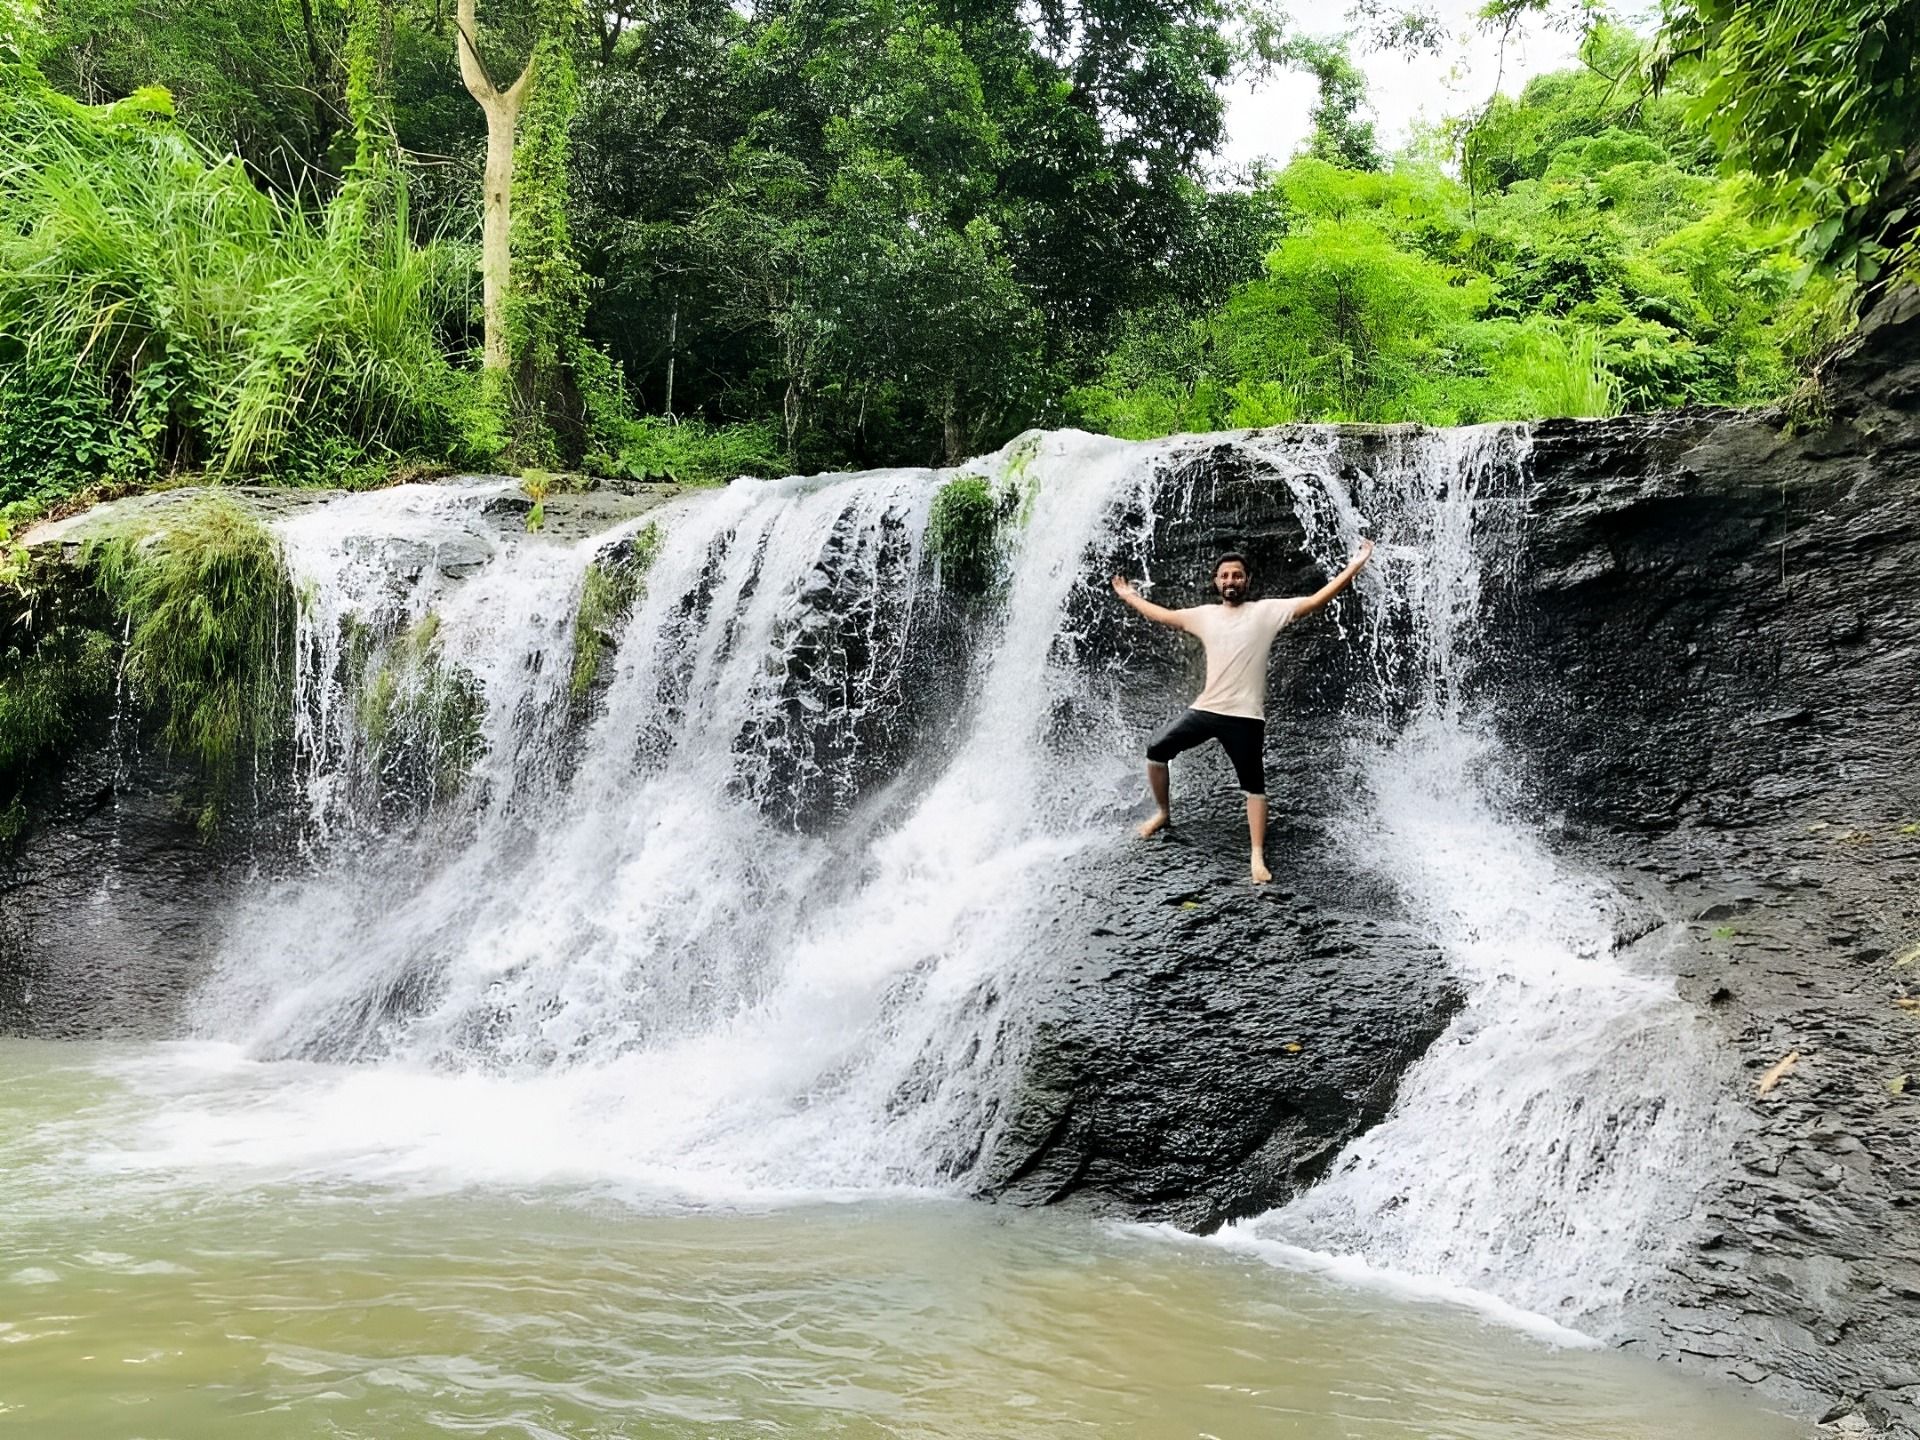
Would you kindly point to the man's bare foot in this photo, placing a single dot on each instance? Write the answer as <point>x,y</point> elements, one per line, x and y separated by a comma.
<point>1153,825</point>
<point>1261,875</point>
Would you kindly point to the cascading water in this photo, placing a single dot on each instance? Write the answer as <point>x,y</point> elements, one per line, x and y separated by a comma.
<point>606,934</point>
<point>757,922</point>
<point>1539,1151</point>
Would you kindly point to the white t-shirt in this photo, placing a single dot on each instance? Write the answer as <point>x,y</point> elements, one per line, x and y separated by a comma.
<point>1238,639</point>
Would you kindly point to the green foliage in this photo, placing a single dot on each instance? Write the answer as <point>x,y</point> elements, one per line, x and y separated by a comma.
<point>964,531</point>
<point>890,230</point>
<point>1807,411</point>
<point>207,608</point>
<point>611,588</point>
<point>47,689</point>
<point>261,79</point>
<point>691,451</point>
<point>1340,136</point>
<point>56,673</point>
<point>158,311</point>
<point>546,305</point>
<point>1610,92</point>
<point>820,232</point>
<point>1822,100</point>
<point>49,685</point>
<point>537,485</point>
<point>1592,272</point>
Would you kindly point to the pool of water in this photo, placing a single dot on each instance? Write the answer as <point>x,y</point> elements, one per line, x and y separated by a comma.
<point>153,1285</point>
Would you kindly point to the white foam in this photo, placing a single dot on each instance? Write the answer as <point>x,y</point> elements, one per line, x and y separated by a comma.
<point>1358,1273</point>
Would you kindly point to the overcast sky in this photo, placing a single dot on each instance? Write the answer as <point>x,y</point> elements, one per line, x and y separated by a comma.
<point>1271,120</point>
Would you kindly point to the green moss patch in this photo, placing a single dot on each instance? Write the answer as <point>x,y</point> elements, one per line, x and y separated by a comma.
<point>419,714</point>
<point>965,533</point>
<point>613,585</point>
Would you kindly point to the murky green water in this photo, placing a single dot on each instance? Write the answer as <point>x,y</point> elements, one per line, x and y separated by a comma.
<point>143,1297</point>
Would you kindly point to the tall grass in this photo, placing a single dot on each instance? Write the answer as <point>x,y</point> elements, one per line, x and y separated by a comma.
<point>204,597</point>
<point>1566,374</point>
<point>207,323</point>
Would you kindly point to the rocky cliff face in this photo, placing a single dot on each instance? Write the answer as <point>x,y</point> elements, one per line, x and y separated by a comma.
<point>1713,668</point>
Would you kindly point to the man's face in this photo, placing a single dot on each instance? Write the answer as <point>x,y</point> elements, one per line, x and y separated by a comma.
<point>1231,581</point>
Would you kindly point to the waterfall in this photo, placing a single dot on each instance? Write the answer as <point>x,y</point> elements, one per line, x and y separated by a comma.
<point>642,937</point>
<point>752,914</point>
<point>1540,1151</point>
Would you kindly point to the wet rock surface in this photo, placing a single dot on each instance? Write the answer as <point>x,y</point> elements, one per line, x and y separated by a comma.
<point>110,899</point>
<point>1714,670</point>
<point>1212,1044</point>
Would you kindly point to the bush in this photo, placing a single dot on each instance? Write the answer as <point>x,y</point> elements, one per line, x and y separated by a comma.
<point>964,530</point>
<point>690,451</point>
<point>207,607</point>
<point>159,312</point>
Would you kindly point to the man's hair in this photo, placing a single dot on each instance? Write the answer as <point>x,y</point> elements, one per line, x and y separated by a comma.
<point>1232,557</point>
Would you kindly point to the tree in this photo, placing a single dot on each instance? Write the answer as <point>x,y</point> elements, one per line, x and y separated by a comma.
<point>1818,98</point>
<point>502,109</point>
<point>1339,135</point>
<point>1822,98</point>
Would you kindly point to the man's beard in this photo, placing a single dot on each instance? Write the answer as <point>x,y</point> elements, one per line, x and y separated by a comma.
<point>1233,594</point>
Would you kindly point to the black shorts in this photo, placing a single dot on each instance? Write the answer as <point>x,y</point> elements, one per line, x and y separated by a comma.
<point>1243,738</point>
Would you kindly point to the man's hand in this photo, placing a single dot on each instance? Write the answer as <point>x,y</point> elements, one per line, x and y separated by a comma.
<point>1339,582</point>
<point>1159,614</point>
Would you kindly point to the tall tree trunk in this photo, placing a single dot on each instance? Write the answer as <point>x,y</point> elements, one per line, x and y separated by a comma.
<point>496,225</point>
<point>951,433</point>
<point>673,351</point>
<point>322,140</point>
<point>502,108</point>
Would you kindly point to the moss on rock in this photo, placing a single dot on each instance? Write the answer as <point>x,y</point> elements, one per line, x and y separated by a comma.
<point>205,604</point>
<point>611,588</point>
<point>419,713</point>
<point>964,532</point>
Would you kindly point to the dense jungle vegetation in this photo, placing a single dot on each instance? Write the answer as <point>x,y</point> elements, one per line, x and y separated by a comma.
<point>335,240</point>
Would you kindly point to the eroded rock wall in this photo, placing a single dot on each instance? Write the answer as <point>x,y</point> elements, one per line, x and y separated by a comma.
<point>1714,676</point>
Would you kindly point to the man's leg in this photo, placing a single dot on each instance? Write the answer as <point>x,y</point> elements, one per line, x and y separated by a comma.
<point>1159,783</point>
<point>1245,741</point>
<point>1187,731</point>
<point>1257,834</point>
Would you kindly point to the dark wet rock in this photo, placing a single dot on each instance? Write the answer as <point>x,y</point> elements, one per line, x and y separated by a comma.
<point>577,514</point>
<point>1713,672</point>
<point>870,662</point>
<point>1212,1044</point>
<point>110,898</point>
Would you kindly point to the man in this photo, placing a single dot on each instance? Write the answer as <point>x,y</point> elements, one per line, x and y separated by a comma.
<point>1238,636</point>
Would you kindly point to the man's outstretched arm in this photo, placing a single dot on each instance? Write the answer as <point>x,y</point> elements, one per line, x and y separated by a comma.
<point>1159,614</point>
<point>1339,582</point>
